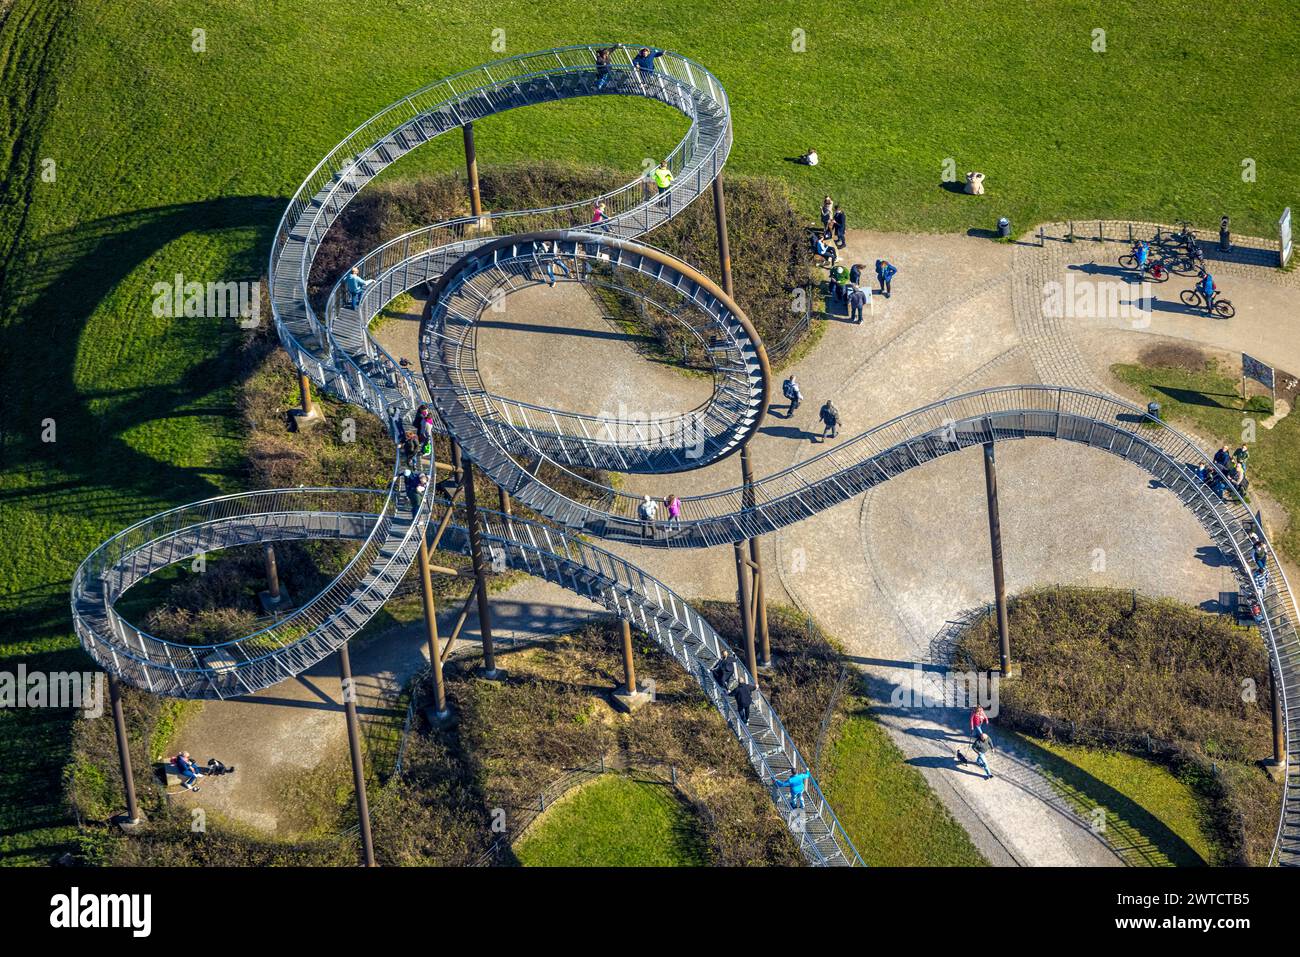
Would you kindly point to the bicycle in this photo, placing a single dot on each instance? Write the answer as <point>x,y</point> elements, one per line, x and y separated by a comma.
<point>1182,239</point>
<point>1155,269</point>
<point>1222,308</point>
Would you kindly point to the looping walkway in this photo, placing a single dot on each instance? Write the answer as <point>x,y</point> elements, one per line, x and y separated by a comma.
<point>468,259</point>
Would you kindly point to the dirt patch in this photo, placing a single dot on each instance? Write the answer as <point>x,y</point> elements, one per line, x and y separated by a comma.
<point>1175,355</point>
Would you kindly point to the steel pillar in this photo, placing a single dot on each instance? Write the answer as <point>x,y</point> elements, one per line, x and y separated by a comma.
<point>629,668</point>
<point>272,573</point>
<point>995,543</point>
<point>354,745</point>
<point>431,630</point>
<point>123,749</point>
<point>1279,724</point>
<point>471,170</point>
<point>480,572</point>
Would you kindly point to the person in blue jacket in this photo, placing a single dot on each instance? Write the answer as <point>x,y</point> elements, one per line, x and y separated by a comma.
<point>1141,254</point>
<point>798,784</point>
<point>355,286</point>
<point>1207,289</point>
<point>645,60</point>
<point>887,273</point>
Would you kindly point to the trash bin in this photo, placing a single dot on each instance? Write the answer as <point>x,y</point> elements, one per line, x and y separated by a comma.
<point>1225,235</point>
<point>1153,409</point>
<point>1004,227</point>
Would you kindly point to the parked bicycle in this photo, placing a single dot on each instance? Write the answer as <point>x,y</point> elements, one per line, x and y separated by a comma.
<point>1155,269</point>
<point>1175,240</point>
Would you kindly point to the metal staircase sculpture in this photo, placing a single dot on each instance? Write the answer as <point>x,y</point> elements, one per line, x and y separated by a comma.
<point>470,261</point>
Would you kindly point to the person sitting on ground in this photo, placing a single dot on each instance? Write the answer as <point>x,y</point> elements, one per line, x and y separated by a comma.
<point>189,769</point>
<point>798,784</point>
<point>810,158</point>
<point>216,768</point>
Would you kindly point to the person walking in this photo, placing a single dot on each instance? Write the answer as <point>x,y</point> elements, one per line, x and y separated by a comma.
<point>663,176</point>
<point>830,417</point>
<point>743,694</point>
<point>790,389</point>
<point>983,745</point>
<point>858,299</point>
<point>674,505</point>
<point>978,719</point>
<point>546,249</point>
<point>414,488</point>
<point>887,274</point>
<point>603,69</point>
<point>841,227</point>
<point>645,59</point>
<point>726,671</point>
<point>411,450</point>
<point>828,209</point>
<point>355,286</point>
<point>646,511</point>
<point>798,784</point>
<point>598,216</point>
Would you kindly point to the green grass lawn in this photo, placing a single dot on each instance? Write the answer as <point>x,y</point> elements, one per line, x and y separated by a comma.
<point>165,160</point>
<point>884,804</point>
<point>615,821</point>
<point>1151,816</point>
<point>1209,400</point>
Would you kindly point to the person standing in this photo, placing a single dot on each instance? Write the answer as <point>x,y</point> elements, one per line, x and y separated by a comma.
<point>647,511</point>
<point>726,671</point>
<point>743,693</point>
<point>841,227</point>
<point>1241,455</point>
<point>674,511</point>
<point>830,417</point>
<point>663,176</point>
<point>598,216</point>
<point>411,480</point>
<point>840,277</point>
<point>858,298</point>
<point>790,389</point>
<point>645,59</point>
<point>1223,458</point>
<point>855,274</point>
<point>983,745</point>
<point>978,719</point>
<point>887,274</point>
<point>828,208</point>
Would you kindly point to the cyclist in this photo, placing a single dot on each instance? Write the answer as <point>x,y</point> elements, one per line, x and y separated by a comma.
<point>1207,290</point>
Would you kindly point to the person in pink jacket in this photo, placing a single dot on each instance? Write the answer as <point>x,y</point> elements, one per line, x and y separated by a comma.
<point>674,511</point>
<point>978,721</point>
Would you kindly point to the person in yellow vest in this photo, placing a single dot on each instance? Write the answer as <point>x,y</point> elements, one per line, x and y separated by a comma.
<point>663,176</point>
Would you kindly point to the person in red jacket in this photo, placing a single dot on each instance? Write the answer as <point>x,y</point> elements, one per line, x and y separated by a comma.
<point>978,721</point>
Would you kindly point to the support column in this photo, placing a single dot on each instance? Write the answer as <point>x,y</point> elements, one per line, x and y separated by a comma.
<point>308,412</point>
<point>354,744</point>
<point>272,573</point>
<point>999,580</point>
<point>629,668</point>
<point>744,598</point>
<point>431,630</point>
<point>471,171</point>
<point>1279,728</point>
<point>480,573</point>
<point>123,749</point>
<point>753,618</point>
<point>630,696</point>
<point>505,500</point>
<point>457,466</point>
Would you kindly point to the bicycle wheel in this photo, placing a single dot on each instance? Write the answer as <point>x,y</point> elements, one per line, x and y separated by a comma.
<point>1128,262</point>
<point>1190,297</point>
<point>1224,309</point>
<point>1183,265</point>
<point>1158,272</point>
